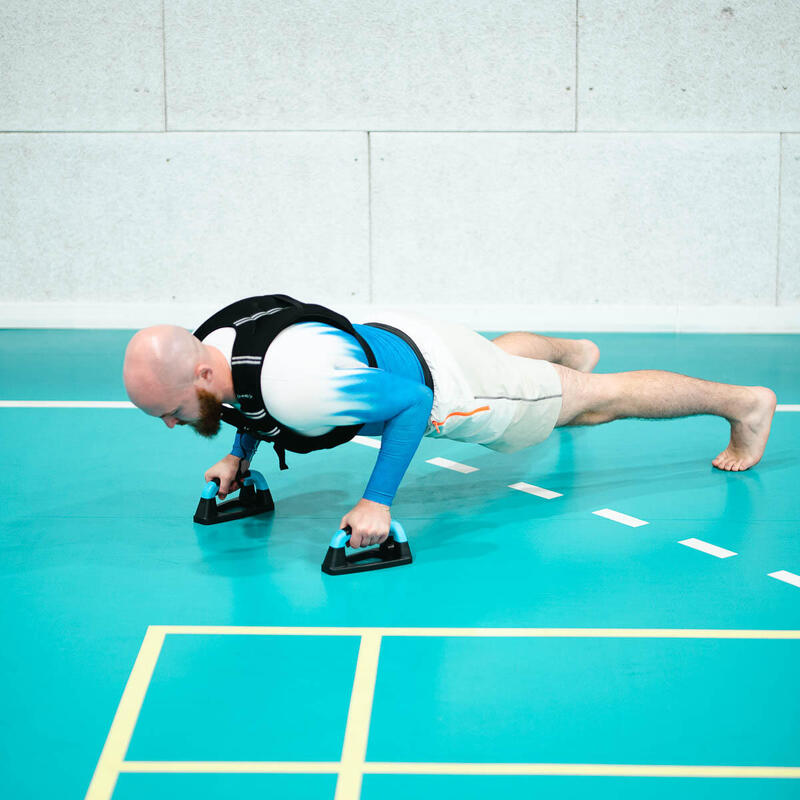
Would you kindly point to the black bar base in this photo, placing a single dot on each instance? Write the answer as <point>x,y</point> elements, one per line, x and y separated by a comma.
<point>249,503</point>
<point>388,554</point>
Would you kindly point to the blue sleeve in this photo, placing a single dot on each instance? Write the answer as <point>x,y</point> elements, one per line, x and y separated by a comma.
<point>244,446</point>
<point>358,396</point>
<point>402,434</point>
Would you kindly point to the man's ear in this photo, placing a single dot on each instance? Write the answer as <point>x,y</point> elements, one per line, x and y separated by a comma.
<point>204,373</point>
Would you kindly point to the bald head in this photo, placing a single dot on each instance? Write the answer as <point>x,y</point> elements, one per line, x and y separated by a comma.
<point>160,363</point>
<point>170,374</point>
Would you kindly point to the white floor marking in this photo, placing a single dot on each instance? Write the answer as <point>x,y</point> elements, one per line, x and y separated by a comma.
<point>448,464</point>
<point>786,577</point>
<point>711,549</point>
<point>623,518</point>
<point>367,441</point>
<point>537,490</point>
<point>546,494</point>
<point>126,404</point>
<point>66,404</point>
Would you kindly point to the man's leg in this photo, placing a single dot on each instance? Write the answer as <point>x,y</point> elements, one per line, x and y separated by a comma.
<point>579,354</point>
<point>589,399</point>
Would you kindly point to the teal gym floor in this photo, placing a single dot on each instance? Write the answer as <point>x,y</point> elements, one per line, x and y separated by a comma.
<point>533,649</point>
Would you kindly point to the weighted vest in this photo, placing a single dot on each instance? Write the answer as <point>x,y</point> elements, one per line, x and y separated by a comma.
<point>257,321</point>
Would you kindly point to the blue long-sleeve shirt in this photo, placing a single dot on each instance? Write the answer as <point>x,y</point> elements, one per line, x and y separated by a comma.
<point>316,377</point>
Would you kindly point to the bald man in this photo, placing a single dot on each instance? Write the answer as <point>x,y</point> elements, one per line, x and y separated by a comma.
<point>504,394</point>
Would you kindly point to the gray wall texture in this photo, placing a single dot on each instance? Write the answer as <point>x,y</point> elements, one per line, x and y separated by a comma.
<point>642,152</point>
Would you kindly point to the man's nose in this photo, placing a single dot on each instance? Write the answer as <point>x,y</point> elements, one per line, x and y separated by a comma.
<point>170,421</point>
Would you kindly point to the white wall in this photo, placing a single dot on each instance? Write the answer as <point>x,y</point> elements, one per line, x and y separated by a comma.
<point>539,164</point>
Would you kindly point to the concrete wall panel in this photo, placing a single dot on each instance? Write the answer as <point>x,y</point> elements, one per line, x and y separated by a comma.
<point>181,217</point>
<point>689,65</point>
<point>575,218</point>
<point>370,65</point>
<point>81,65</point>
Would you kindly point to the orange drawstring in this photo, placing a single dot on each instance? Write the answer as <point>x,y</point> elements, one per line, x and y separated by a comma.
<point>436,423</point>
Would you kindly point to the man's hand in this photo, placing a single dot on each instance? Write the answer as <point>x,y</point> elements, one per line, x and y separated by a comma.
<point>369,523</point>
<point>226,471</point>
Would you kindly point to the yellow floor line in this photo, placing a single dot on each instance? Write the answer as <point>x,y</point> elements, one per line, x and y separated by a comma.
<point>119,736</point>
<point>353,765</point>
<point>446,768</point>
<point>354,749</point>
<point>623,770</point>
<point>292,767</point>
<point>653,633</point>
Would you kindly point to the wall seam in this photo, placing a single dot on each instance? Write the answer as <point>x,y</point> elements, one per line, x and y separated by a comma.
<point>369,211</point>
<point>164,60</point>
<point>778,248</point>
<point>577,35</point>
<point>352,130</point>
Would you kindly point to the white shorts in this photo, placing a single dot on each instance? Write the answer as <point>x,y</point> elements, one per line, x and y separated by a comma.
<point>481,393</point>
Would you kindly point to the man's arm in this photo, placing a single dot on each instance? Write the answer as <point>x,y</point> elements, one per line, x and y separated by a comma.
<point>402,434</point>
<point>244,446</point>
<point>358,396</point>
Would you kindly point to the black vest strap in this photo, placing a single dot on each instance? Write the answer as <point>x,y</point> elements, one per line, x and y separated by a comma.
<point>257,321</point>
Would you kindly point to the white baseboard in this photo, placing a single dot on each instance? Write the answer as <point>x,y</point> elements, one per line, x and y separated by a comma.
<point>586,318</point>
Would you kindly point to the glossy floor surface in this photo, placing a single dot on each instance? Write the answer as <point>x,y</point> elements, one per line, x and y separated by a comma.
<point>533,648</point>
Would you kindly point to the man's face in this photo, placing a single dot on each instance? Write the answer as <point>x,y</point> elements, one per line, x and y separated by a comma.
<point>203,413</point>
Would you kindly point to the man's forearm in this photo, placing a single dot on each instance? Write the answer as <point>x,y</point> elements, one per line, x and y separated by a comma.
<point>401,437</point>
<point>244,446</point>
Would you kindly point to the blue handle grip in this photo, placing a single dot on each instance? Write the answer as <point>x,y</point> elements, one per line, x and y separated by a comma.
<point>212,487</point>
<point>342,538</point>
<point>251,477</point>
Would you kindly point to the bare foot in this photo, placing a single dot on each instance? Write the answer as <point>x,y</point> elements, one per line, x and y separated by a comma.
<point>583,355</point>
<point>749,434</point>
